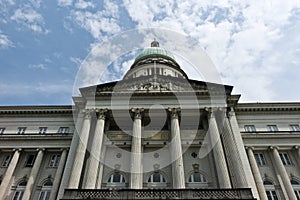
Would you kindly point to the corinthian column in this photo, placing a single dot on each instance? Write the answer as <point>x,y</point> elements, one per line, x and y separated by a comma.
<point>234,160</point>
<point>256,174</point>
<point>58,174</point>
<point>80,152</point>
<point>287,186</point>
<point>219,157</point>
<point>32,177</point>
<point>176,151</point>
<point>136,176</point>
<point>96,151</point>
<point>9,172</point>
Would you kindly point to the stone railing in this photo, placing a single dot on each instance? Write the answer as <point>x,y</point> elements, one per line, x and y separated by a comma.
<point>158,194</point>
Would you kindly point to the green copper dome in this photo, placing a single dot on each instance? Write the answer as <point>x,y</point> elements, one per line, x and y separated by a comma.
<point>155,51</point>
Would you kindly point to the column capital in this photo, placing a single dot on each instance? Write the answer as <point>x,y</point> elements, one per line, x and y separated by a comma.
<point>296,147</point>
<point>87,113</point>
<point>249,147</point>
<point>101,113</point>
<point>174,112</point>
<point>40,149</point>
<point>274,147</point>
<point>17,150</point>
<point>137,112</point>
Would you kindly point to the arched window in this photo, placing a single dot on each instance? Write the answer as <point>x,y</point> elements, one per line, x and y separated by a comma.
<point>156,177</point>
<point>270,190</point>
<point>197,177</point>
<point>46,190</point>
<point>296,187</point>
<point>116,178</point>
<point>20,190</point>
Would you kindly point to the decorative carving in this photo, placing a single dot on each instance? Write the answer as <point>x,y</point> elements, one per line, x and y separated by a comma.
<point>137,112</point>
<point>174,112</point>
<point>156,155</point>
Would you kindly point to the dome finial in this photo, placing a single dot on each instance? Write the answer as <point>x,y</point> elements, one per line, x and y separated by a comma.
<point>154,43</point>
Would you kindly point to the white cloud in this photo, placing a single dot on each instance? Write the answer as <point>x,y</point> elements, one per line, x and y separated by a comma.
<point>30,18</point>
<point>64,3</point>
<point>82,4</point>
<point>238,36</point>
<point>4,41</point>
<point>37,66</point>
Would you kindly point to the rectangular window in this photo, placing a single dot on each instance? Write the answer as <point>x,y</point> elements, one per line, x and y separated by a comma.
<point>30,160</point>
<point>6,161</point>
<point>2,130</point>
<point>272,128</point>
<point>42,130</point>
<point>285,159</point>
<point>21,130</point>
<point>260,159</point>
<point>54,160</point>
<point>271,194</point>
<point>295,127</point>
<point>63,130</point>
<point>249,128</point>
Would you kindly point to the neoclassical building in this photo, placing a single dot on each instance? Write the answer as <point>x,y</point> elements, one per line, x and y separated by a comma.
<point>155,134</point>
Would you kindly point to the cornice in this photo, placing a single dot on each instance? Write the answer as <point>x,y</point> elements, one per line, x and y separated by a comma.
<point>268,107</point>
<point>36,109</point>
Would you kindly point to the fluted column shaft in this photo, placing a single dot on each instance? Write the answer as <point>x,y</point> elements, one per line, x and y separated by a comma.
<point>9,172</point>
<point>32,177</point>
<point>255,171</point>
<point>242,152</point>
<point>176,152</point>
<point>219,157</point>
<point>283,174</point>
<point>71,157</point>
<point>136,176</point>
<point>95,152</point>
<point>235,162</point>
<point>58,174</point>
<point>80,152</point>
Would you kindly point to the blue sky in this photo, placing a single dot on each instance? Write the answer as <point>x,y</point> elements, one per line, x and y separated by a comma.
<point>254,45</point>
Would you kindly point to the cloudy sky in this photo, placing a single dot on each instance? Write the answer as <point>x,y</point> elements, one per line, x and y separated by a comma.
<point>255,45</point>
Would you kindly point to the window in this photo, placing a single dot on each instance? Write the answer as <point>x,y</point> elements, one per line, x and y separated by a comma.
<point>285,159</point>
<point>116,178</point>
<point>46,190</point>
<point>21,130</point>
<point>270,190</point>
<point>42,130</point>
<point>197,178</point>
<point>30,160</point>
<point>20,191</point>
<point>296,187</point>
<point>272,128</point>
<point>6,161</point>
<point>295,127</point>
<point>156,177</point>
<point>54,160</point>
<point>249,128</point>
<point>63,130</point>
<point>260,159</point>
<point>2,130</point>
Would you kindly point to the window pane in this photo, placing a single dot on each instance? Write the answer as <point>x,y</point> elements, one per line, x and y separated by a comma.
<point>156,177</point>
<point>295,127</point>
<point>197,177</point>
<point>116,178</point>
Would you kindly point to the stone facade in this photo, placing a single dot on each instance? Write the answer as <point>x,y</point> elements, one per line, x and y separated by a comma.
<point>180,149</point>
